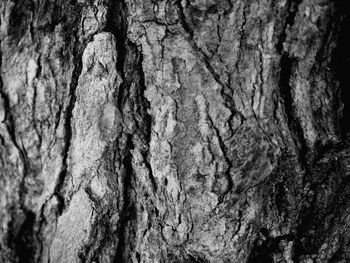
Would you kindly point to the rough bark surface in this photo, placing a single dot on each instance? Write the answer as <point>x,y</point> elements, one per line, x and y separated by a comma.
<point>174,131</point>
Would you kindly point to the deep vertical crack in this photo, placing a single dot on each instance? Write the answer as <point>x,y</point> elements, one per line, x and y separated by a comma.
<point>147,120</point>
<point>341,64</point>
<point>224,151</point>
<point>286,71</point>
<point>286,64</point>
<point>293,6</point>
<point>77,54</point>
<point>129,208</point>
<point>25,243</point>
<point>117,26</point>
<point>131,91</point>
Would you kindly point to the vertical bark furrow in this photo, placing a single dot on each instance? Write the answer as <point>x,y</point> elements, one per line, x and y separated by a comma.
<point>286,72</point>
<point>285,75</point>
<point>128,212</point>
<point>77,54</point>
<point>340,64</point>
<point>292,9</point>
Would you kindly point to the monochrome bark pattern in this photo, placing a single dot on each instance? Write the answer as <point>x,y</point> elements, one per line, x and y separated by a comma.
<point>174,131</point>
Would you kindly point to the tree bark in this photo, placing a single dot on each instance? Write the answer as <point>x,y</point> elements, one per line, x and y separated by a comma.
<point>174,131</point>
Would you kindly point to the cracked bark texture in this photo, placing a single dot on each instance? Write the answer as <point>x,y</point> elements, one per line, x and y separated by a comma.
<point>174,131</point>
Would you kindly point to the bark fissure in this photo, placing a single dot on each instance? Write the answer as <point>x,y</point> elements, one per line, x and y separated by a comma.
<point>224,151</point>
<point>129,66</point>
<point>128,212</point>
<point>293,7</point>
<point>77,53</point>
<point>142,131</point>
<point>341,64</point>
<point>286,93</point>
<point>286,71</point>
<point>148,123</point>
<point>265,247</point>
<point>117,25</point>
<point>34,103</point>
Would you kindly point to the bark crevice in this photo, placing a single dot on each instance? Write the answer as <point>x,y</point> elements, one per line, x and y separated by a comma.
<point>128,212</point>
<point>77,54</point>
<point>285,76</point>
<point>341,64</point>
<point>286,72</point>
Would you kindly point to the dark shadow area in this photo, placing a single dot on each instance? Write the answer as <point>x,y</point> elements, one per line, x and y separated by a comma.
<point>129,212</point>
<point>341,63</point>
<point>265,247</point>
<point>24,240</point>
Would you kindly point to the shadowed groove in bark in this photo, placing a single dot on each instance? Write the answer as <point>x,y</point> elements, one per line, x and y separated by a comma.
<point>148,121</point>
<point>19,18</point>
<point>286,68</point>
<point>133,74</point>
<point>196,259</point>
<point>228,161</point>
<point>293,6</point>
<point>77,55</point>
<point>265,246</point>
<point>129,66</point>
<point>320,213</point>
<point>71,24</point>
<point>286,93</point>
<point>342,63</point>
<point>25,242</point>
<point>129,209</point>
<point>117,26</point>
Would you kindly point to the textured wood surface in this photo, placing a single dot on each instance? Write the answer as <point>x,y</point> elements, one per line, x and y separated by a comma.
<point>174,131</point>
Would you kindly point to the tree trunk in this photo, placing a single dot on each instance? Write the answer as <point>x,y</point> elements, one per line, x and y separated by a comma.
<point>174,131</point>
